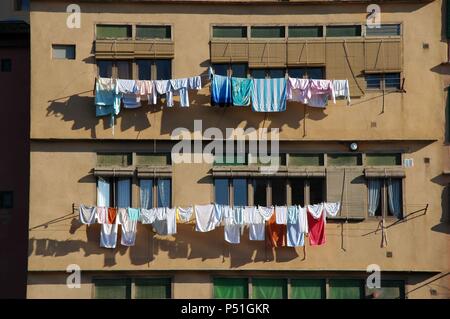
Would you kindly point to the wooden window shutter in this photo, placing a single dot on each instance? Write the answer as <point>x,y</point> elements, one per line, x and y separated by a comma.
<point>267,54</point>
<point>345,60</point>
<point>229,51</point>
<point>305,52</point>
<point>348,186</point>
<point>128,49</point>
<point>383,55</point>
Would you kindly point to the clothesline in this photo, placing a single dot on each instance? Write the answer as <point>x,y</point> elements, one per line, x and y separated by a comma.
<point>286,225</point>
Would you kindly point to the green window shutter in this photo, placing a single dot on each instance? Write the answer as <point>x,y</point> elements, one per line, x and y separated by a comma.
<point>230,288</point>
<point>344,159</point>
<point>114,159</point>
<point>345,289</point>
<point>267,32</point>
<point>153,159</point>
<point>230,159</point>
<point>390,289</point>
<point>305,32</point>
<point>383,159</point>
<point>112,289</point>
<point>154,288</point>
<point>344,31</point>
<point>307,289</point>
<point>305,160</point>
<point>266,288</point>
<point>113,31</point>
<point>153,32</point>
<point>229,32</point>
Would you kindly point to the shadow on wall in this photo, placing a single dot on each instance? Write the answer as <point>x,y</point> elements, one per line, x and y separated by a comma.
<point>186,244</point>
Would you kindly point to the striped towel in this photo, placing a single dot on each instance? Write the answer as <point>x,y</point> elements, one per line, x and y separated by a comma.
<point>269,95</point>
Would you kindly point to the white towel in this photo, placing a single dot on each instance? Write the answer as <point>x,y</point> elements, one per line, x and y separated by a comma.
<point>315,210</point>
<point>171,221</point>
<point>205,218</point>
<point>88,214</point>
<point>129,229</point>
<point>233,234</point>
<point>266,212</point>
<point>332,209</point>
<point>185,214</point>
<point>257,231</point>
<point>281,215</point>
<point>161,213</point>
<point>108,235</point>
<point>148,216</point>
<point>341,88</point>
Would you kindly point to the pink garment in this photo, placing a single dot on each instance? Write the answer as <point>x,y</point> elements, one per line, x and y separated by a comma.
<point>322,87</point>
<point>146,90</point>
<point>102,215</point>
<point>298,90</point>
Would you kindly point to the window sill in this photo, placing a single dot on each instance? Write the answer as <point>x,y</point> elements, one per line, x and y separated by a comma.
<point>338,219</point>
<point>113,171</point>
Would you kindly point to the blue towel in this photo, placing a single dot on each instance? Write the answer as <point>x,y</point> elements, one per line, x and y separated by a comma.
<point>269,95</point>
<point>106,101</point>
<point>242,89</point>
<point>221,90</point>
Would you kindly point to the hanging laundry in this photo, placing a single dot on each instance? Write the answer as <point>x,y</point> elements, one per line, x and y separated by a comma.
<point>242,90</point>
<point>232,233</point>
<point>297,226</point>
<point>321,91</point>
<point>112,213</point>
<point>298,90</point>
<point>108,235</point>
<point>266,212</point>
<point>102,215</point>
<point>146,90</point>
<point>133,213</point>
<point>332,209</point>
<point>184,214</point>
<point>316,224</point>
<point>128,91</point>
<point>195,83</point>
<point>163,88</point>
<point>342,89</point>
<point>160,213</point>
<point>88,214</point>
<point>218,213</point>
<point>281,214</point>
<point>257,231</point>
<point>275,233</point>
<point>238,215</point>
<point>269,95</point>
<point>167,226</point>
<point>129,230</point>
<point>122,215</point>
<point>105,97</point>
<point>221,91</point>
<point>205,218</point>
<point>180,87</point>
<point>148,216</point>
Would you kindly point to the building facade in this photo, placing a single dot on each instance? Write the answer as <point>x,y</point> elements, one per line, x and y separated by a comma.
<point>391,134</point>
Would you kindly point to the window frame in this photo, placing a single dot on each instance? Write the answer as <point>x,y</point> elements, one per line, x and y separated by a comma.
<point>65,46</point>
<point>115,68</point>
<point>154,190</point>
<point>142,24</point>
<point>382,82</point>
<point>322,26</point>
<point>343,24</point>
<point>360,159</point>
<point>237,25</point>
<point>384,199</point>
<point>114,24</point>
<point>400,24</point>
<point>230,189</point>
<point>132,283</point>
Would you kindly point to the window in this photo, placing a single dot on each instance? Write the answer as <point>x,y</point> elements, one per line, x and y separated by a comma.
<point>390,289</point>
<point>379,81</point>
<point>238,189</point>
<point>6,200</point>
<point>268,288</point>
<point>6,65</point>
<point>268,159</point>
<point>229,32</point>
<point>305,31</point>
<point>267,32</point>
<point>114,159</point>
<point>164,192</point>
<point>146,193</point>
<point>308,289</point>
<point>260,192</point>
<point>160,69</point>
<point>117,69</point>
<point>345,289</point>
<point>344,159</point>
<point>344,31</point>
<point>230,288</point>
<point>383,30</point>
<point>63,52</point>
<point>112,289</point>
<point>144,288</point>
<point>108,31</point>
<point>153,159</point>
<point>272,73</point>
<point>383,159</point>
<point>278,186</point>
<point>114,192</point>
<point>385,197</point>
<point>238,70</point>
<point>22,5</point>
<point>230,159</point>
<point>305,159</point>
<point>315,187</point>
<point>153,32</point>
<point>317,73</point>
<point>153,288</point>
